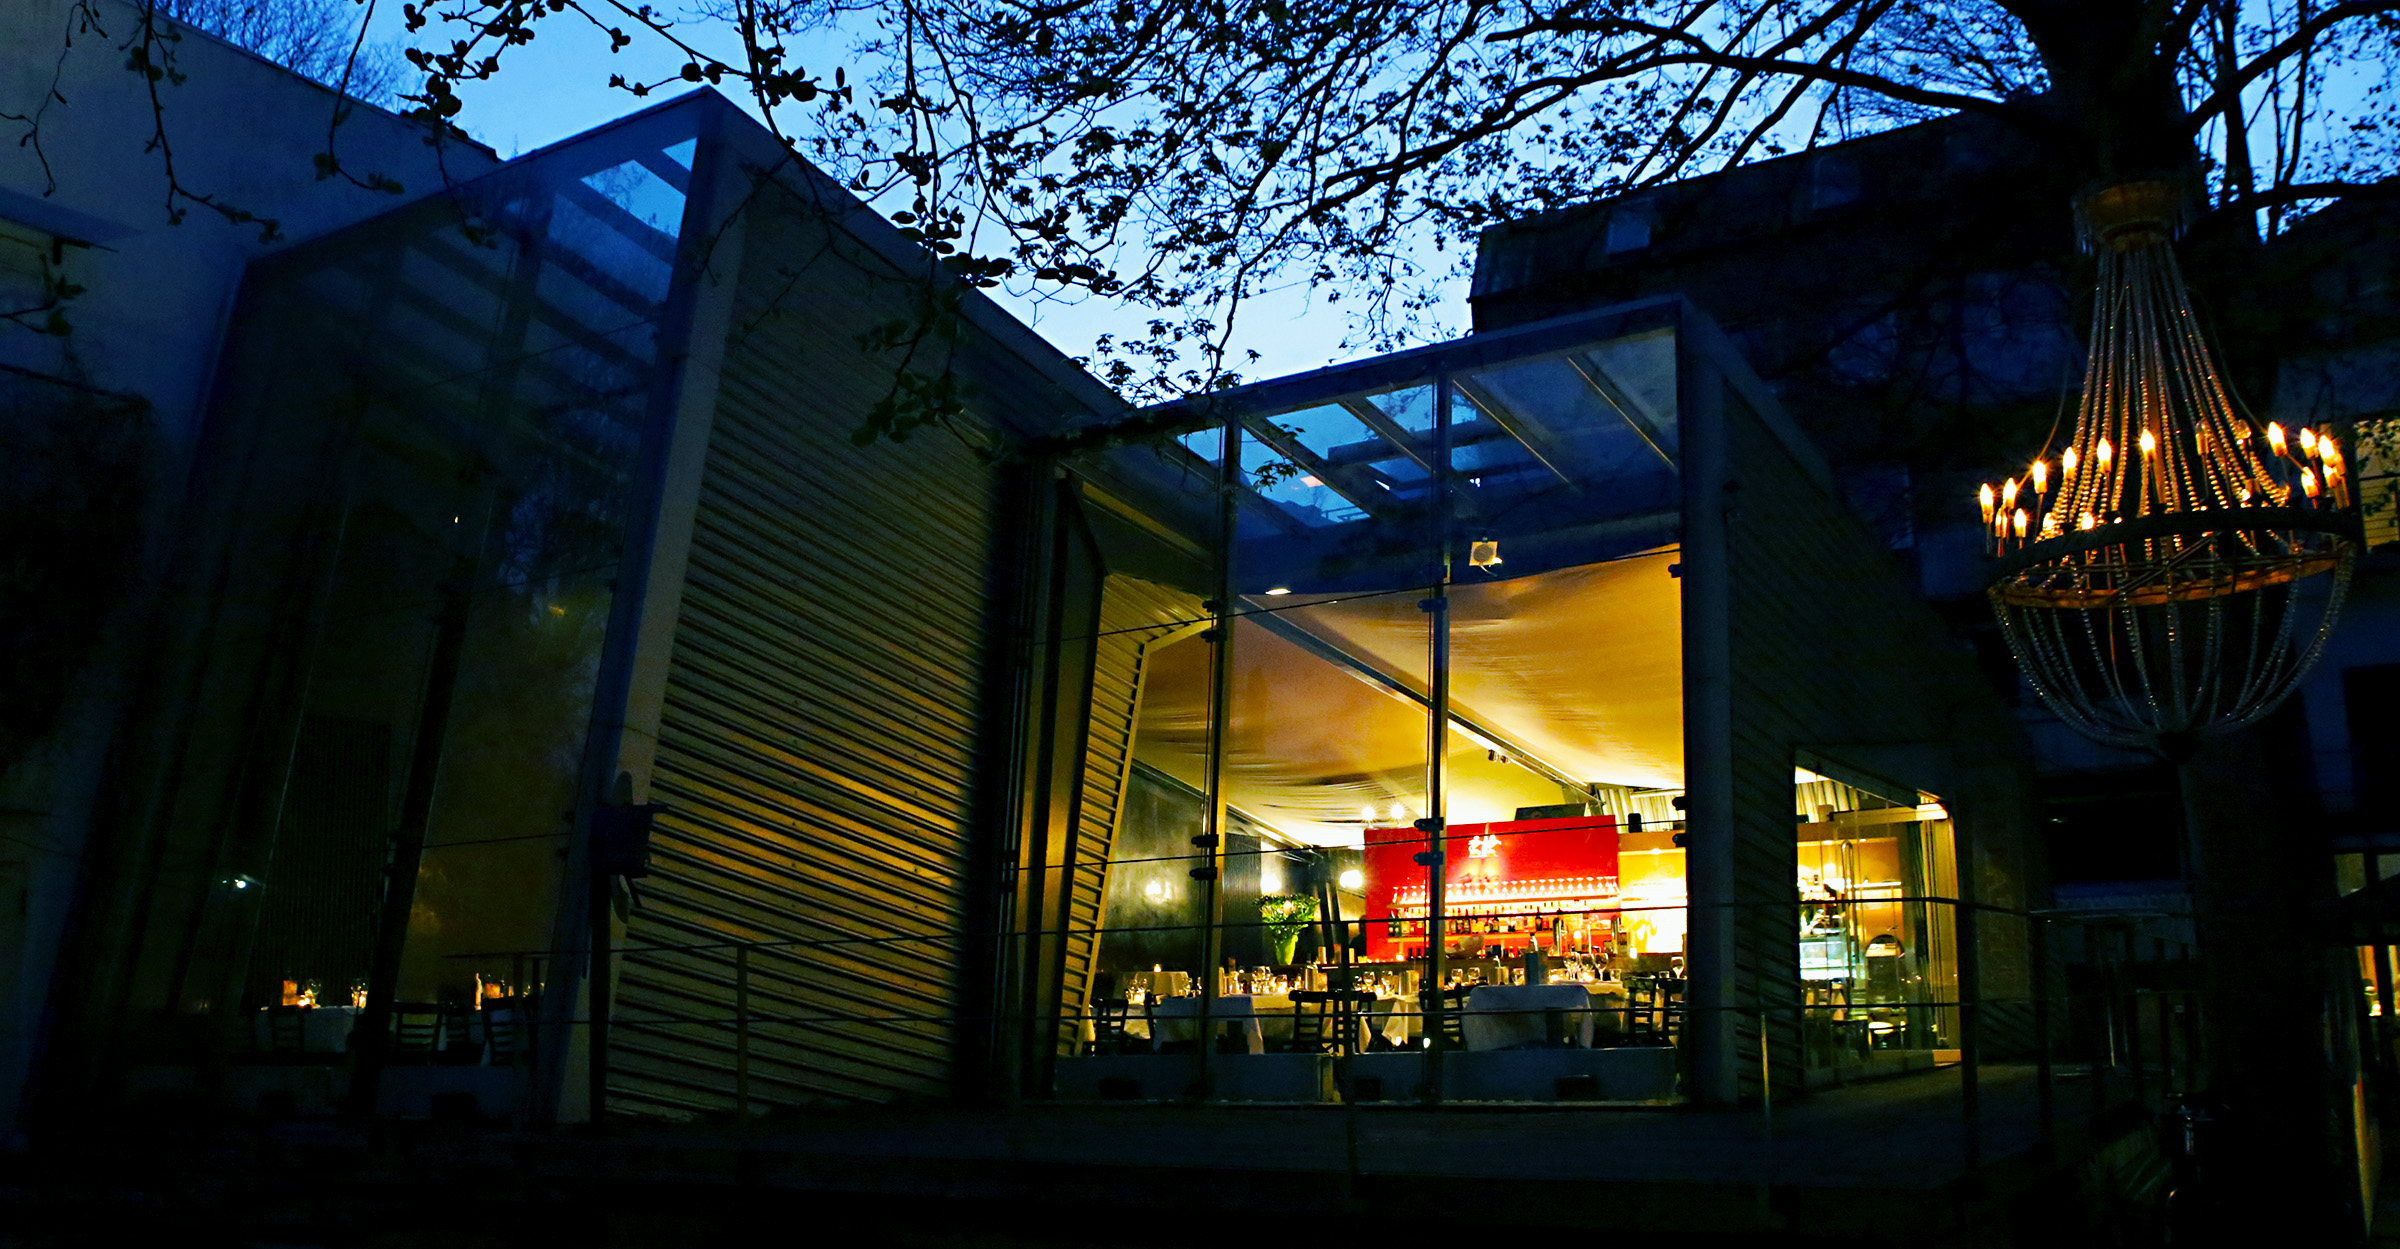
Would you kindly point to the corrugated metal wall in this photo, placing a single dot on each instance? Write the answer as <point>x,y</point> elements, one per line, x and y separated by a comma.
<point>818,746</point>
<point>1133,614</point>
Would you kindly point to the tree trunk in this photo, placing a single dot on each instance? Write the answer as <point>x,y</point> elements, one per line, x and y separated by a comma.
<point>2113,99</point>
<point>2273,1168</point>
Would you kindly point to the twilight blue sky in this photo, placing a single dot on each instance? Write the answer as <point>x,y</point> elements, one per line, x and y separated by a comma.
<point>557,87</point>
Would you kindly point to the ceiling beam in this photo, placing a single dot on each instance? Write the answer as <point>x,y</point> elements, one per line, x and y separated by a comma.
<point>1529,434</point>
<point>1373,418</point>
<point>1354,484</point>
<point>1624,406</point>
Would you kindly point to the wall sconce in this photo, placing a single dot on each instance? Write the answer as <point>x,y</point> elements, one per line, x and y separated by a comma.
<point>1484,553</point>
<point>1155,890</point>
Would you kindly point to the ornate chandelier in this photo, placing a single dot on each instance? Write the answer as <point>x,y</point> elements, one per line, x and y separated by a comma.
<point>2177,568</point>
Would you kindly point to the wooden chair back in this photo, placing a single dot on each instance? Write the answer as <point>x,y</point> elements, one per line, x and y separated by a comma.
<point>416,1032</point>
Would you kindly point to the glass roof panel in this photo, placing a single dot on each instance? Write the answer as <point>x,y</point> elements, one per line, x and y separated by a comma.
<point>1411,409</point>
<point>1642,368</point>
<point>643,195</point>
<point>1299,493</point>
<point>1204,442</point>
<point>1485,452</point>
<point>1328,427</point>
<point>1574,416</point>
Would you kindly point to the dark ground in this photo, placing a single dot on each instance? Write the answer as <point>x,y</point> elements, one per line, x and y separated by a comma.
<point>1875,1165</point>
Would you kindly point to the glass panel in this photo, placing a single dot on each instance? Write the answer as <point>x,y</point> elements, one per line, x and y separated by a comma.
<point>1206,443</point>
<point>1485,456</point>
<point>422,465</point>
<point>1333,433</point>
<point>1641,369</point>
<point>1581,427</point>
<point>642,194</point>
<point>1411,409</point>
<point>1301,493</point>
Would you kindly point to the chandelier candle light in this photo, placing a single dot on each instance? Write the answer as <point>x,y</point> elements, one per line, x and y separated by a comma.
<point>2177,568</point>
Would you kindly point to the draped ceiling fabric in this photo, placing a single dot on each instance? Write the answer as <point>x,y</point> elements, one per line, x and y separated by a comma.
<point>1582,667</point>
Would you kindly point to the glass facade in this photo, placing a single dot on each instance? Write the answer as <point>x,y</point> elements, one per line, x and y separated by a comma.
<point>414,507</point>
<point>1399,816</point>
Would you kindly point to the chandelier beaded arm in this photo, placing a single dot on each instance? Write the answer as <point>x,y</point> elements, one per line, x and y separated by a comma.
<point>2181,567</point>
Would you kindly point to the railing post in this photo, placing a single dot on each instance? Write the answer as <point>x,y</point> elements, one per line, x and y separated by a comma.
<point>2133,1025</point>
<point>533,1022</point>
<point>1766,1079</point>
<point>2045,1103</point>
<point>521,1002</point>
<point>741,1034</point>
<point>1970,1041</point>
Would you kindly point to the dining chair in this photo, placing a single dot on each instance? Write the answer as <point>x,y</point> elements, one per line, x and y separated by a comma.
<point>503,1034</point>
<point>464,1035</point>
<point>1110,1034</point>
<point>416,1032</point>
<point>287,1032</point>
<point>1447,1011</point>
<point>1328,1019</point>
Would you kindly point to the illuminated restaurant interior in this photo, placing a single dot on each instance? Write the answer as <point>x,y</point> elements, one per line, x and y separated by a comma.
<point>1540,611</point>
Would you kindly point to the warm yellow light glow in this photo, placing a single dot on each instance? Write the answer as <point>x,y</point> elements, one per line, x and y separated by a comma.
<point>2067,463</point>
<point>1366,815</point>
<point>2008,493</point>
<point>2041,476</point>
<point>2308,481</point>
<point>2021,522</point>
<point>2084,522</point>
<point>2275,437</point>
<point>2330,450</point>
<point>1484,554</point>
<point>2104,453</point>
<point>2308,440</point>
<point>1984,496</point>
<point>2149,443</point>
<point>1353,879</point>
<point>1279,590</point>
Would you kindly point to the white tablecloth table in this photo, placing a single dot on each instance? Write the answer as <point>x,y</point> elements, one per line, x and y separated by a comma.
<point>1501,1016</point>
<point>1395,1017</point>
<point>1179,1019</point>
<point>323,1029</point>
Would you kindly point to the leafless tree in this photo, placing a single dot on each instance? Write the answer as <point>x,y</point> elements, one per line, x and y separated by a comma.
<point>1183,154</point>
<point>321,40</point>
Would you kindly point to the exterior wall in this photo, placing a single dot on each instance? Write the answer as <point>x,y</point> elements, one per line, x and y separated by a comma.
<point>828,707</point>
<point>1833,652</point>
